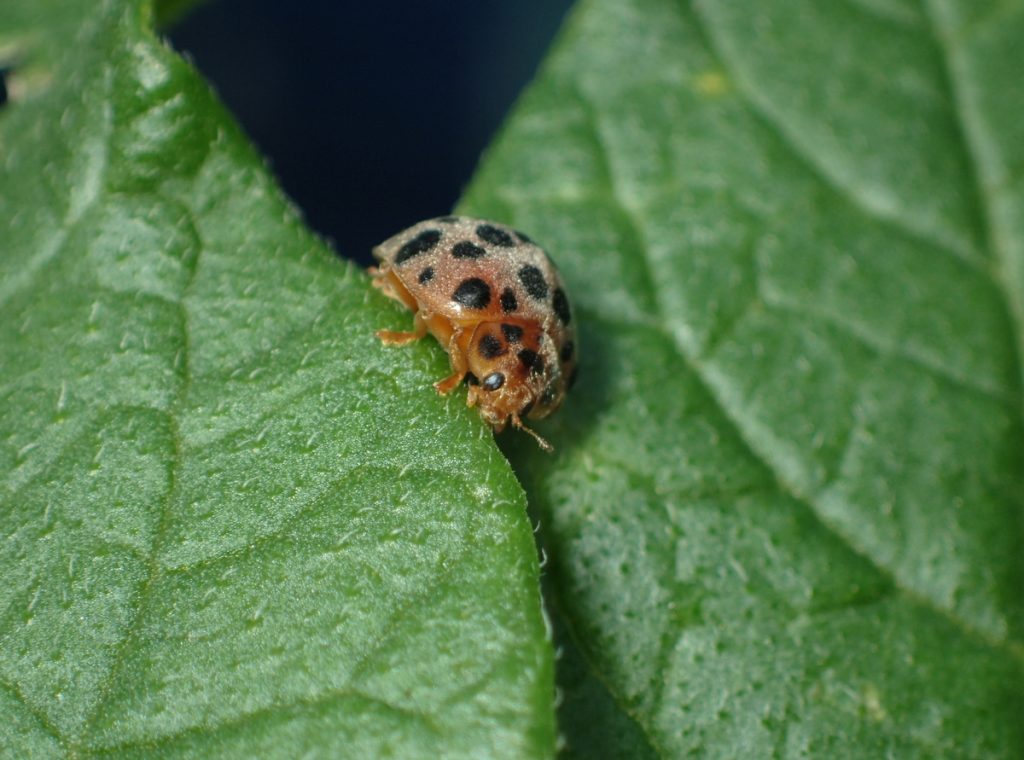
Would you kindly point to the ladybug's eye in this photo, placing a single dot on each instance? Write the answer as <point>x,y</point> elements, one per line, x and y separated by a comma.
<point>493,381</point>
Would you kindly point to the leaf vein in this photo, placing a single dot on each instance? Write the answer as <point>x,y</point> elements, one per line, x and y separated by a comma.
<point>131,630</point>
<point>268,713</point>
<point>886,348</point>
<point>276,534</point>
<point>416,600</point>
<point>44,723</point>
<point>997,239</point>
<point>846,191</point>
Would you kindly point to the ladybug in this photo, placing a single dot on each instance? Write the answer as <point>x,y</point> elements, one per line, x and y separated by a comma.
<point>496,303</point>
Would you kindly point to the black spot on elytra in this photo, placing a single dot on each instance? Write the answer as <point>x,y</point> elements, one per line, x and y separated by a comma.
<point>508,300</point>
<point>531,360</point>
<point>512,333</point>
<point>490,347</point>
<point>471,379</point>
<point>567,351</point>
<point>491,234</point>
<point>422,243</point>
<point>561,306</point>
<point>466,250</point>
<point>533,280</point>
<point>494,381</point>
<point>426,275</point>
<point>473,293</point>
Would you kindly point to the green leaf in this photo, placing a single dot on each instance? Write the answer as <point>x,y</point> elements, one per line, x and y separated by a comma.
<point>233,524</point>
<point>786,515</point>
<point>588,715</point>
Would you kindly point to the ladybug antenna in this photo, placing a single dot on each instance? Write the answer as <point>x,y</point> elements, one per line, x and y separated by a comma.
<point>518,423</point>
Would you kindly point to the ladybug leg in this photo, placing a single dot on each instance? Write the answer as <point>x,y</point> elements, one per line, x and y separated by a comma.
<point>450,383</point>
<point>459,367</point>
<point>399,338</point>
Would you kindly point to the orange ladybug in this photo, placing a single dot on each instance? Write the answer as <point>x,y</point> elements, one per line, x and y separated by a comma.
<point>496,303</point>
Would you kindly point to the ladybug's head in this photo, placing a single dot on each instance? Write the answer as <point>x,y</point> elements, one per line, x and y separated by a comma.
<point>513,372</point>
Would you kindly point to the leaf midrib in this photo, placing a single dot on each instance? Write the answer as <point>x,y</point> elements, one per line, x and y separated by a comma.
<point>173,413</point>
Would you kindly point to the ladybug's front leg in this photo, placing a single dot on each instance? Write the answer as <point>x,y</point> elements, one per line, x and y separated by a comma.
<point>459,367</point>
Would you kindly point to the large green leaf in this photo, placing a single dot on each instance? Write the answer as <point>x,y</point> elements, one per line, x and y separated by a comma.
<point>231,523</point>
<point>786,516</point>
